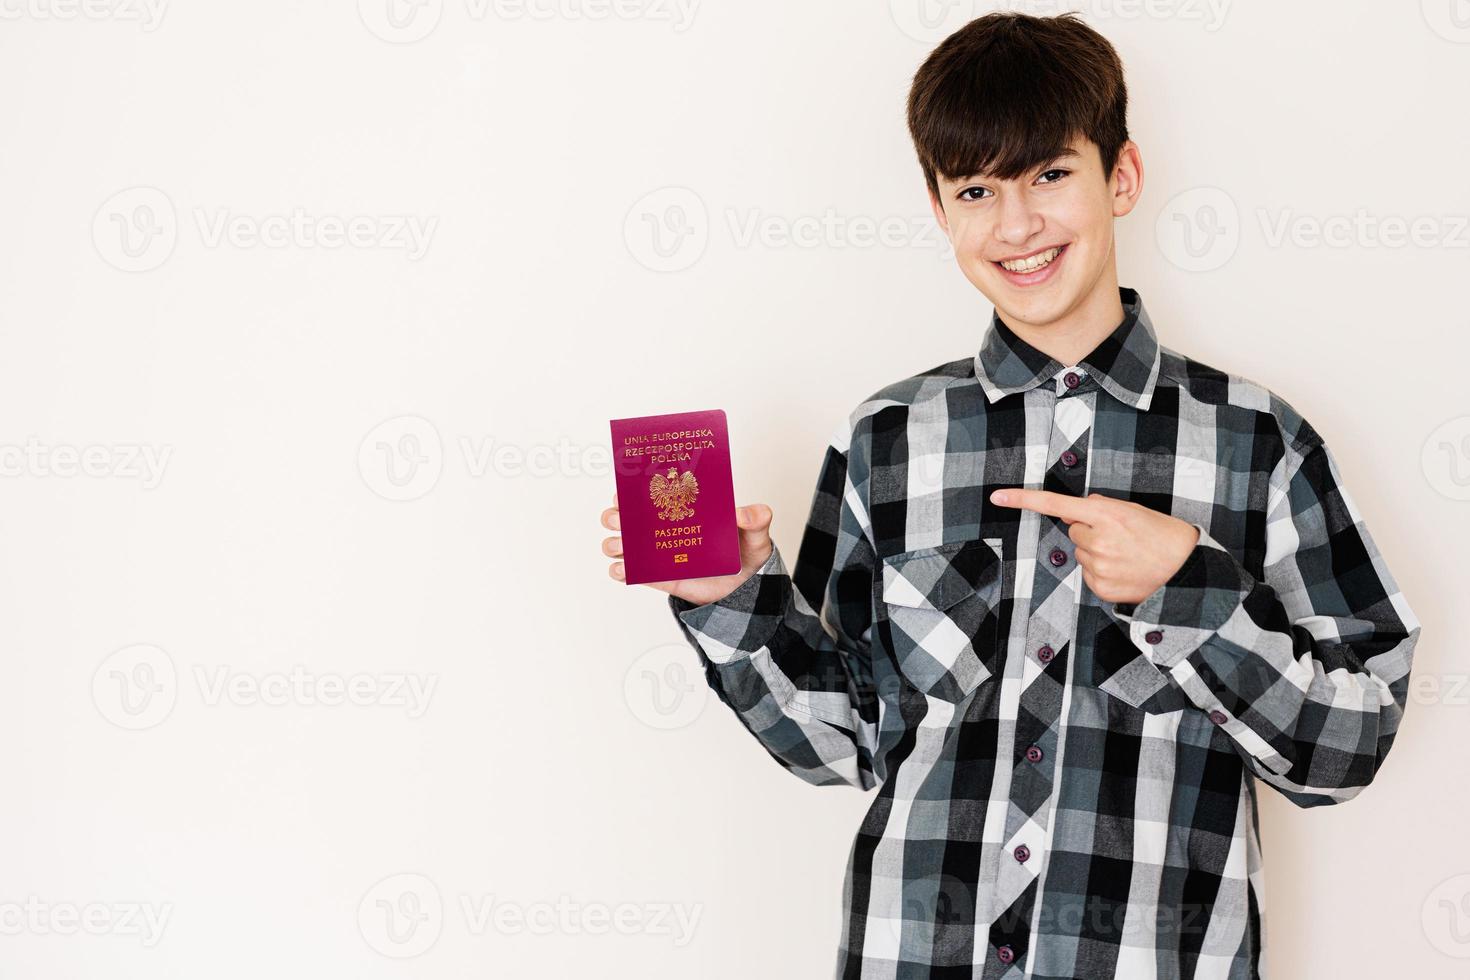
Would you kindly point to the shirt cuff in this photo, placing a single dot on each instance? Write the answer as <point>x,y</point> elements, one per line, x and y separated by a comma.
<point>1181,615</point>
<point>745,619</point>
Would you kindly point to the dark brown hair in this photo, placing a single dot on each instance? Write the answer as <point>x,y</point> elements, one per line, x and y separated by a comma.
<point>1008,91</point>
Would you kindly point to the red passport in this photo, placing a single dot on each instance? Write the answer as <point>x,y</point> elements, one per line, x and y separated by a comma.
<point>676,498</point>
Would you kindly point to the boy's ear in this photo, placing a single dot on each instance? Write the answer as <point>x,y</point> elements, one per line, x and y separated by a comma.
<point>1129,177</point>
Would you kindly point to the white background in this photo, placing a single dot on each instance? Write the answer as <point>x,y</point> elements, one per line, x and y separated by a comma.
<point>170,632</point>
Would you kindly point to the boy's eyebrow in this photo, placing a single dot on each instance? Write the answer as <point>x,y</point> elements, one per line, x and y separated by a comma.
<point>1065,154</point>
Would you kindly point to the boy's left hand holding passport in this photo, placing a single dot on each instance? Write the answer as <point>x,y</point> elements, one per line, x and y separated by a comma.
<point>681,532</point>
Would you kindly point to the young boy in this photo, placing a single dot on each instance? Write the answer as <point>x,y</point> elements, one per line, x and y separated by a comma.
<point>1064,601</point>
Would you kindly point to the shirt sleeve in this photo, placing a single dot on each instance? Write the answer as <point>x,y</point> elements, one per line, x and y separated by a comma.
<point>1307,668</point>
<point>790,654</point>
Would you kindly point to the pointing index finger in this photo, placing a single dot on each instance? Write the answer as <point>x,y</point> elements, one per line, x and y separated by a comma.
<point>1062,505</point>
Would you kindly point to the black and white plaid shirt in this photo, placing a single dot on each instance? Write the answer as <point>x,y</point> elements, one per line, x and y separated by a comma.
<point>1067,786</point>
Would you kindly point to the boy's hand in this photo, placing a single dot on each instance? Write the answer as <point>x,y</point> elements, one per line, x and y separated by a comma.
<point>1125,549</point>
<point>754,522</point>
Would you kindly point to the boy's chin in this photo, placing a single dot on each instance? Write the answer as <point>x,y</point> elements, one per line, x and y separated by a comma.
<point>1031,304</point>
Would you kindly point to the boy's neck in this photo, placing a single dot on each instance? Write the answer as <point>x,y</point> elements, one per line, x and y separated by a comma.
<point>1076,334</point>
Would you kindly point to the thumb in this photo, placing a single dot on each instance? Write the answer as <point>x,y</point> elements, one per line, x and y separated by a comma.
<point>754,520</point>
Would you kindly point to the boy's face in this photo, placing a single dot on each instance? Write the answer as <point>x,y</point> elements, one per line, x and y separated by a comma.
<point>1062,211</point>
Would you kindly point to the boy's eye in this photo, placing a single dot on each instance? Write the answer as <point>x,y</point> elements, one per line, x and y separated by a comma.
<point>978,193</point>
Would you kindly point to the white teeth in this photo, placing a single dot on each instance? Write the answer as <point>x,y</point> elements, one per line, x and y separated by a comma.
<point>1034,262</point>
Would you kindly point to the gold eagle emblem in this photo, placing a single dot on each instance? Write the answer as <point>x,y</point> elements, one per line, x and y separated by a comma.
<point>673,494</point>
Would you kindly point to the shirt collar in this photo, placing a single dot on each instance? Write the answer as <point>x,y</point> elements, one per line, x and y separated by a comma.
<point>1125,363</point>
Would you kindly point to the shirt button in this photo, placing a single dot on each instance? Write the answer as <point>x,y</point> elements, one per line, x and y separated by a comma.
<point>1154,636</point>
<point>1072,379</point>
<point>1022,852</point>
<point>1219,717</point>
<point>1058,557</point>
<point>1069,458</point>
<point>1005,954</point>
<point>1045,654</point>
<point>1033,754</point>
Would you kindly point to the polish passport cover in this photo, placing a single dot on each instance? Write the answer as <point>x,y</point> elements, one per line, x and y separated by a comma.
<point>676,497</point>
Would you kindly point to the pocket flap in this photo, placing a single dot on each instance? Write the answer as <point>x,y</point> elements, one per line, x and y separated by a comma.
<point>1136,682</point>
<point>939,577</point>
<point>1123,671</point>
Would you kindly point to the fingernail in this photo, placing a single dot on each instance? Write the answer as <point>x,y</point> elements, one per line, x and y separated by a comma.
<point>999,497</point>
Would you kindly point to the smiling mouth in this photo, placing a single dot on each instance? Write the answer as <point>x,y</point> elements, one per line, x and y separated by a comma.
<point>1032,263</point>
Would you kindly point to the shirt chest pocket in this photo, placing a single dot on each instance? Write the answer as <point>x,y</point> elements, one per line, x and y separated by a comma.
<point>939,610</point>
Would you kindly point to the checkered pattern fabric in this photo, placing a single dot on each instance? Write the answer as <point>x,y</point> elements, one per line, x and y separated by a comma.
<point>1066,786</point>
